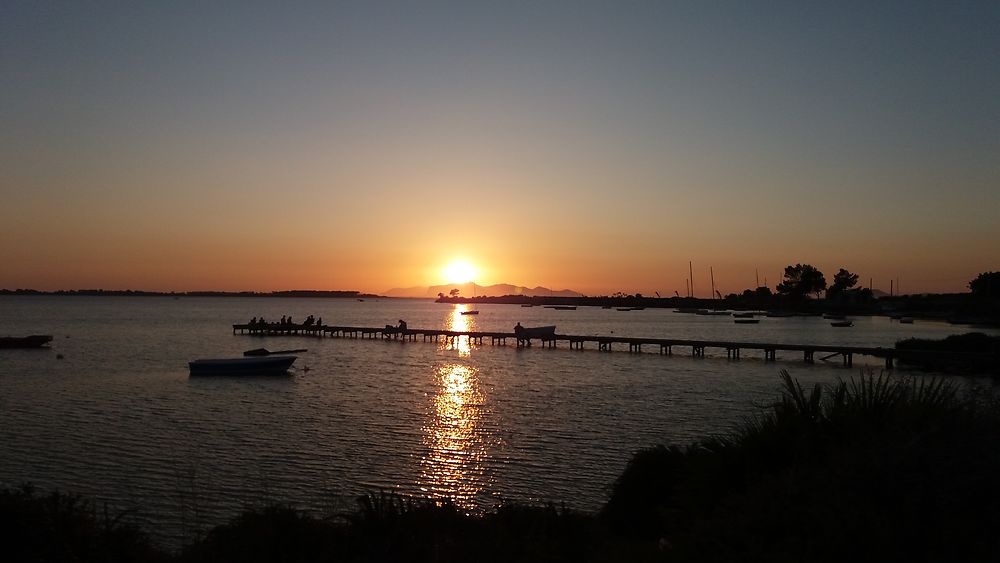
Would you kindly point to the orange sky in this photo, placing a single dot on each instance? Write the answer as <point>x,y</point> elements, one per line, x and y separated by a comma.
<point>599,149</point>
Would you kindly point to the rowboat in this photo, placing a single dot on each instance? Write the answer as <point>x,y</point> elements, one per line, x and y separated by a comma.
<point>33,341</point>
<point>261,365</point>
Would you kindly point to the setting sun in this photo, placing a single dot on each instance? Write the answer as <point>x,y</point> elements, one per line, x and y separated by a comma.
<point>459,271</point>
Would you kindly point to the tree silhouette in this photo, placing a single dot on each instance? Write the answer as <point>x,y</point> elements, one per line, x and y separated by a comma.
<point>986,284</point>
<point>453,292</point>
<point>802,279</point>
<point>842,281</point>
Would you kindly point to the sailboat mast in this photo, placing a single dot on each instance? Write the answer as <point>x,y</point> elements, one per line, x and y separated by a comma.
<point>712,273</point>
<point>691,277</point>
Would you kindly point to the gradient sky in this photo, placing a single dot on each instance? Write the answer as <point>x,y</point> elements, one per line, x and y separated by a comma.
<point>597,146</point>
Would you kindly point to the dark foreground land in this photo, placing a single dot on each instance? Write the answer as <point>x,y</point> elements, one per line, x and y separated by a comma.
<point>872,469</point>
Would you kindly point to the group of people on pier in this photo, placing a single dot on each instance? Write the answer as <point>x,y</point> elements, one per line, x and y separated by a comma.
<point>398,329</point>
<point>286,321</point>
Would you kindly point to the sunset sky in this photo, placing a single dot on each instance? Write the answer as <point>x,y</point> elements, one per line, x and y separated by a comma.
<point>597,146</point>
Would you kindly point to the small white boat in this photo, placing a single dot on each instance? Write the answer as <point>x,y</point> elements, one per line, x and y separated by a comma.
<point>257,365</point>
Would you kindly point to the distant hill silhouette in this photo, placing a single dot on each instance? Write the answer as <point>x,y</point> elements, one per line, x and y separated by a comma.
<point>469,290</point>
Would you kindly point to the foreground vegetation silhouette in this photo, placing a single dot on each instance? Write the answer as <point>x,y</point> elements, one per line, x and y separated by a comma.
<point>874,468</point>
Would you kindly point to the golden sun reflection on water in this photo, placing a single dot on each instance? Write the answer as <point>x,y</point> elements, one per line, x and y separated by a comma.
<point>454,437</point>
<point>452,468</point>
<point>461,323</point>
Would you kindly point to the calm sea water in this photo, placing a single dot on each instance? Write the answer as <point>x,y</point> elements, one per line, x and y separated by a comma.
<point>119,419</point>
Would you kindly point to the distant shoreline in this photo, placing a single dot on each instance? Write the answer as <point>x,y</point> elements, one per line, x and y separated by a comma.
<point>137,293</point>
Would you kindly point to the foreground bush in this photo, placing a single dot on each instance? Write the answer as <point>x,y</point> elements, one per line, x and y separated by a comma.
<point>871,469</point>
<point>60,527</point>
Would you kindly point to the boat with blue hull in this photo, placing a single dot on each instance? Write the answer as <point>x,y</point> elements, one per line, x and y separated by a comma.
<point>257,365</point>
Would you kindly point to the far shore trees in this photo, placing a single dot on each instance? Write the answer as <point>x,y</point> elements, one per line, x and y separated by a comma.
<point>842,281</point>
<point>986,284</point>
<point>801,280</point>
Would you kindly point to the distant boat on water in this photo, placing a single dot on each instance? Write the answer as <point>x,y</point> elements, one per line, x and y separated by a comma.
<point>32,341</point>
<point>564,307</point>
<point>842,323</point>
<point>267,365</point>
<point>745,321</point>
<point>472,312</point>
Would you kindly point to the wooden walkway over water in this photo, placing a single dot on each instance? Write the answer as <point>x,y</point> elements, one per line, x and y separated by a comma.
<point>665,346</point>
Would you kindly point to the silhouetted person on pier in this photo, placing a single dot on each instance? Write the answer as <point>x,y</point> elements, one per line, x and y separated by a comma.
<point>283,321</point>
<point>253,321</point>
<point>518,330</point>
<point>319,322</point>
<point>402,326</point>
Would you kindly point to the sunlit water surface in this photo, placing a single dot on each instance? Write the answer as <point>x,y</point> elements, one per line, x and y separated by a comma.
<point>119,419</point>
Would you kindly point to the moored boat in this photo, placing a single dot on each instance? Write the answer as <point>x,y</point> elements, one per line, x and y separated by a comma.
<point>258,365</point>
<point>525,333</point>
<point>32,341</point>
<point>842,324</point>
<point>472,312</point>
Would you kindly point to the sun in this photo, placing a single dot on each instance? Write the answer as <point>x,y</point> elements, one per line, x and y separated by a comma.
<point>459,271</point>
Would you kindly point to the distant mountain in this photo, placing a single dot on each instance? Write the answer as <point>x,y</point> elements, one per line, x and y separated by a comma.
<point>470,290</point>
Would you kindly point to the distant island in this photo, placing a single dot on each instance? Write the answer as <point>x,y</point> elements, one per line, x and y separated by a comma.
<point>472,289</point>
<point>138,293</point>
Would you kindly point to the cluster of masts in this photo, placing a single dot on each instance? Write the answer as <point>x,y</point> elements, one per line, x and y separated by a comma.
<point>689,283</point>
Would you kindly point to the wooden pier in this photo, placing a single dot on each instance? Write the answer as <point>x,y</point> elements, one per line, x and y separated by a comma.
<point>664,346</point>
